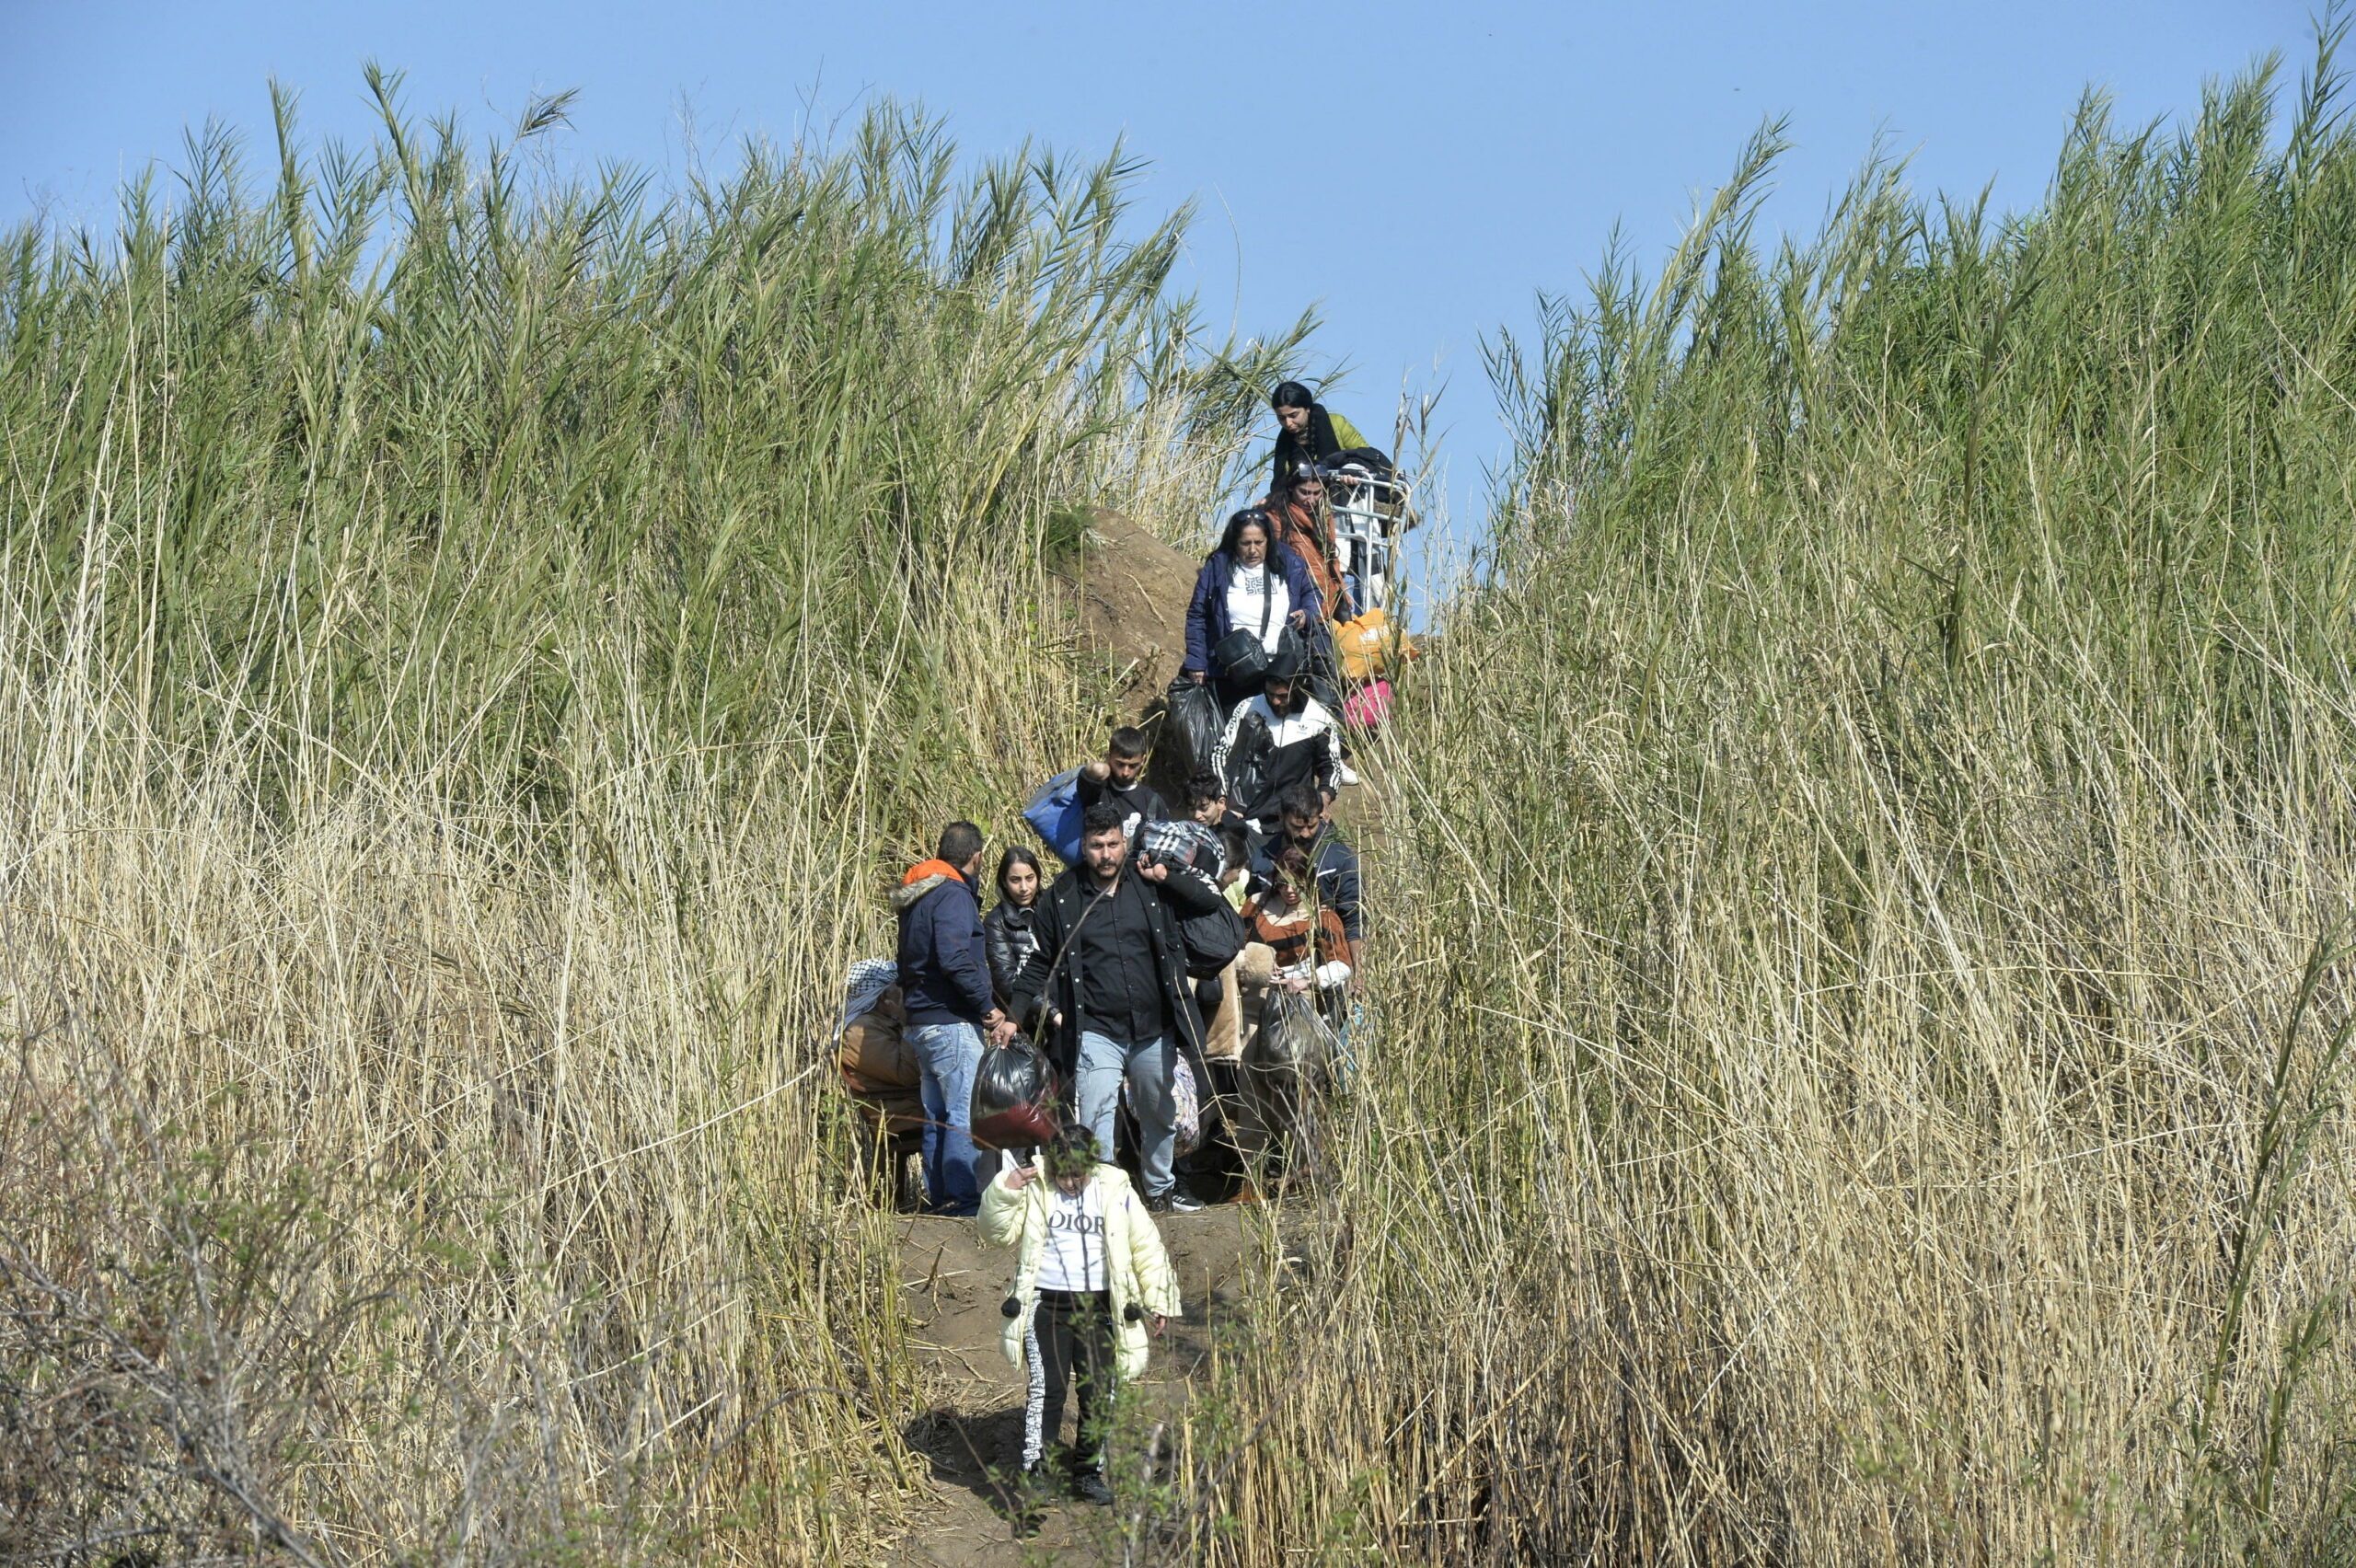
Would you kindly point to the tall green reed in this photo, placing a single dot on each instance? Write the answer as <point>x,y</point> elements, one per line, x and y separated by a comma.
<point>1843,912</point>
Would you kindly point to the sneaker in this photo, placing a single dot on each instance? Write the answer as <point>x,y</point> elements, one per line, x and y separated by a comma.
<point>1089,1487</point>
<point>1348,775</point>
<point>1175,1201</point>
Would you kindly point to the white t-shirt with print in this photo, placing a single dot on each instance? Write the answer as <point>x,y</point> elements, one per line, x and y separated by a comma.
<point>1243,590</point>
<point>1073,1259</point>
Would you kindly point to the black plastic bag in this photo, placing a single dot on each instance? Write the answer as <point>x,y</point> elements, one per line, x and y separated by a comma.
<point>1191,726</point>
<point>1212,940</point>
<point>1294,1035</point>
<point>1247,765</point>
<point>1015,1096</point>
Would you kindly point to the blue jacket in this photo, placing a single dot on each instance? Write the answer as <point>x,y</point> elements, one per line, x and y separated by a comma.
<point>1207,620</point>
<point>945,958</point>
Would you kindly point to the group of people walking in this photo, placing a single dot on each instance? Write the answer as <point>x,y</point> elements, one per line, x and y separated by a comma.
<point>1103,965</point>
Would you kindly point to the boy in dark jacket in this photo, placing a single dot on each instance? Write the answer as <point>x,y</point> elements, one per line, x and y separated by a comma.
<point>945,984</point>
<point>1110,972</point>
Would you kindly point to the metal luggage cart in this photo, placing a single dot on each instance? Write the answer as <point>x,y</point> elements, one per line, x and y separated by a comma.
<point>1370,514</point>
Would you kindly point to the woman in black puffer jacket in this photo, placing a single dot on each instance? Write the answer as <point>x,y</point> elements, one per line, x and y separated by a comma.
<point>1008,930</point>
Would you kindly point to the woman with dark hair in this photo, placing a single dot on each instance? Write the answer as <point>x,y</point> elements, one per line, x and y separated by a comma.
<point>1007,932</point>
<point>1310,435</point>
<point>1251,582</point>
<point>1297,508</point>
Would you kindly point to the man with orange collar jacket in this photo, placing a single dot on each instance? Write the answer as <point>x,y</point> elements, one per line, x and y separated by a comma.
<point>945,987</point>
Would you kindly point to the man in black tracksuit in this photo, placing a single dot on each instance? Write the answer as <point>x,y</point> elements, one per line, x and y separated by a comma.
<point>1118,1002</point>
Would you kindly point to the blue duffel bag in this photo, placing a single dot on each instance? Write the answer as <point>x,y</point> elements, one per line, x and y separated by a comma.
<point>1054,814</point>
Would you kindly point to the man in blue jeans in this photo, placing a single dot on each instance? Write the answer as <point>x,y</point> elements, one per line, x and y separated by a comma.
<point>945,984</point>
<point>1110,972</point>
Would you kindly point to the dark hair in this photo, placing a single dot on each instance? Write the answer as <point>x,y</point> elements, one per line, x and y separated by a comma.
<point>1202,788</point>
<point>1017,855</point>
<point>1304,474</point>
<point>1127,741</point>
<point>1293,860</point>
<point>1231,839</point>
<point>1292,395</point>
<point>1071,1152</point>
<point>1250,517</point>
<point>1301,800</point>
<point>1104,816</point>
<point>960,842</point>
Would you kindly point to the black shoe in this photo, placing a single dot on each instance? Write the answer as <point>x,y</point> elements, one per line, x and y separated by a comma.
<point>1089,1487</point>
<point>1175,1201</point>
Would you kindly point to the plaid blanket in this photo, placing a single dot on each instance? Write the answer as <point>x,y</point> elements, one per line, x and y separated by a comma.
<point>1187,843</point>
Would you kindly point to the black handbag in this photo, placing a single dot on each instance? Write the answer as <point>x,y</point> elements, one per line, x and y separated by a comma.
<point>1212,940</point>
<point>1243,654</point>
<point>1243,657</point>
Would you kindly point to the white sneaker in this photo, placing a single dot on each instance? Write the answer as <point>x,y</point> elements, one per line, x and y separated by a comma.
<point>1349,774</point>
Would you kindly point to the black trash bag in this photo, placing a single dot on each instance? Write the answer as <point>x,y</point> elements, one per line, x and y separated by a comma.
<point>1294,1035</point>
<point>1015,1096</point>
<point>1247,765</point>
<point>1284,1071</point>
<point>1191,728</point>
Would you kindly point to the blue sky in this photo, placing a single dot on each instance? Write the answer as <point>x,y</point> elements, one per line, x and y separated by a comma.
<point>1419,172</point>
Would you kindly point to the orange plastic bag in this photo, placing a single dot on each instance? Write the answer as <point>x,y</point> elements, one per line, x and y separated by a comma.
<point>1369,645</point>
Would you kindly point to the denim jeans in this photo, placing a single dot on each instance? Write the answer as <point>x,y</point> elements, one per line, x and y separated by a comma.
<point>1104,1062</point>
<point>947,1056</point>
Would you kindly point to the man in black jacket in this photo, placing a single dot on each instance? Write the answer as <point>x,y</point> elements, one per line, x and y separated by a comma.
<point>1111,971</point>
<point>945,985</point>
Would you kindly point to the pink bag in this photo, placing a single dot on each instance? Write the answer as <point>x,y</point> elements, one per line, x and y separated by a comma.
<point>1368,706</point>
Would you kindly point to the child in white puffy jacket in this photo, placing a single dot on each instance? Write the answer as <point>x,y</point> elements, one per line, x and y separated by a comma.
<point>1092,1286</point>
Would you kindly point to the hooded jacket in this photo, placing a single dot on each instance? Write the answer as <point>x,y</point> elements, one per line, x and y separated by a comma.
<point>1207,616</point>
<point>1136,1268</point>
<point>1327,433</point>
<point>945,961</point>
<point>1051,975</point>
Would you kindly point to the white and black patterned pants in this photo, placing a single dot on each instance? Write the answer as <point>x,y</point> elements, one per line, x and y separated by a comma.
<point>1070,1342</point>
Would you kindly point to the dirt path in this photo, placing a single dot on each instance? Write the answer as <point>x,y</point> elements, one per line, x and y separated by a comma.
<point>973,1427</point>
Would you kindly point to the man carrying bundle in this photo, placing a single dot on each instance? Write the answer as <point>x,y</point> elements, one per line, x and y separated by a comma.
<point>1109,977</point>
